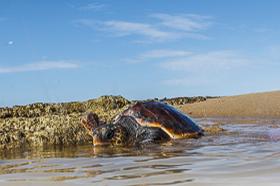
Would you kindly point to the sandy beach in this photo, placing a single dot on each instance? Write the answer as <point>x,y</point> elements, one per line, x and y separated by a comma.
<point>255,105</point>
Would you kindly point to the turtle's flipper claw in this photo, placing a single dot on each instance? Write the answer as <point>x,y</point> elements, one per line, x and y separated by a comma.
<point>91,122</point>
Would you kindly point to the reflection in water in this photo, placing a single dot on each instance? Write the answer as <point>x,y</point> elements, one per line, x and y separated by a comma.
<point>274,133</point>
<point>246,153</point>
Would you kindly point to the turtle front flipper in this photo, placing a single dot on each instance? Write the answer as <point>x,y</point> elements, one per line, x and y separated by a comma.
<point>134,142</point>
<point>91,122</point>
<point>148,135</point>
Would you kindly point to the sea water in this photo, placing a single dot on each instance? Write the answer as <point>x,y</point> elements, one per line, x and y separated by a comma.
<point>246,153</point>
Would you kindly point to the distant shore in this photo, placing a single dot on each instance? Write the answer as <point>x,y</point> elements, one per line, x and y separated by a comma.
<point>255,105</point>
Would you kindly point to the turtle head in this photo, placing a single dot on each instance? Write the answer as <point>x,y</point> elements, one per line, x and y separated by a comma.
<point>110,135</point>
<point>102,133</point>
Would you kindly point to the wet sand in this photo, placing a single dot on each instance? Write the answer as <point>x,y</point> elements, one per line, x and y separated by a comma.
<point>255,105</point>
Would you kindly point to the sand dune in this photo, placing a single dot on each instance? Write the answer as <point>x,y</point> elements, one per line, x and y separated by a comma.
<point>255,105</point>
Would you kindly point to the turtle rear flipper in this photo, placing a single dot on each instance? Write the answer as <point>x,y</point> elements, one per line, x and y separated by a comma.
<point>91,122</point>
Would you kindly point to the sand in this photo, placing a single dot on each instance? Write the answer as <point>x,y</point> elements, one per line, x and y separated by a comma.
<point>255,105</point>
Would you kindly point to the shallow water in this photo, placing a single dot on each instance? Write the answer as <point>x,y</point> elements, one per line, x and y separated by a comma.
<point>248,152</point>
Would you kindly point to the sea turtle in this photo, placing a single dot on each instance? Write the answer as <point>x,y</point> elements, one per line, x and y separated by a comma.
<point>140,123</point>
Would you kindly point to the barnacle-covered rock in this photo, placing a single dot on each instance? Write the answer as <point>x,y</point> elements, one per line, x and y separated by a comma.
<point>59,123</point>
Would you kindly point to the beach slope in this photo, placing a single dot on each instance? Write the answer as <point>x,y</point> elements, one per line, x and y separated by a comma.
<point>255,105</point>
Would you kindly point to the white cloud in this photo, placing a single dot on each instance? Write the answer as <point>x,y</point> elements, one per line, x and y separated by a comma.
<point>189,22</point>
<point>160,53</point>
<point>261,30</point>
<point>164,53</point>
<point>185,82</point>
<point>169,27</point>
<point>273,51</point>
<point>88,22</point>
<point>43,65</point>
<point>122,28</point>
<point>211,61</point>
<point>212,67</point>
<point>94,6</point>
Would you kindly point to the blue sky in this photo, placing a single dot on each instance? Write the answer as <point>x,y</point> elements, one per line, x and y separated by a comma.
<point>60,51</point>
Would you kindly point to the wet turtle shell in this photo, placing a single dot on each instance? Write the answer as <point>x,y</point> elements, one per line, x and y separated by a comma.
<point>156,114</point>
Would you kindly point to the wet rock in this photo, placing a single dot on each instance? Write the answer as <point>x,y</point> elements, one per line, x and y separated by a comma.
<point>213,129</point>
<point>274,126</point>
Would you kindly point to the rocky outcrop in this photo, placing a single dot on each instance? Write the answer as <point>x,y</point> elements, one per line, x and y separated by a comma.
<point>179,100</point>
<point>59,123</point>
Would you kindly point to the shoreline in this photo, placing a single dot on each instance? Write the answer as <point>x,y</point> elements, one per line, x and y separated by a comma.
<point>59,124</point>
